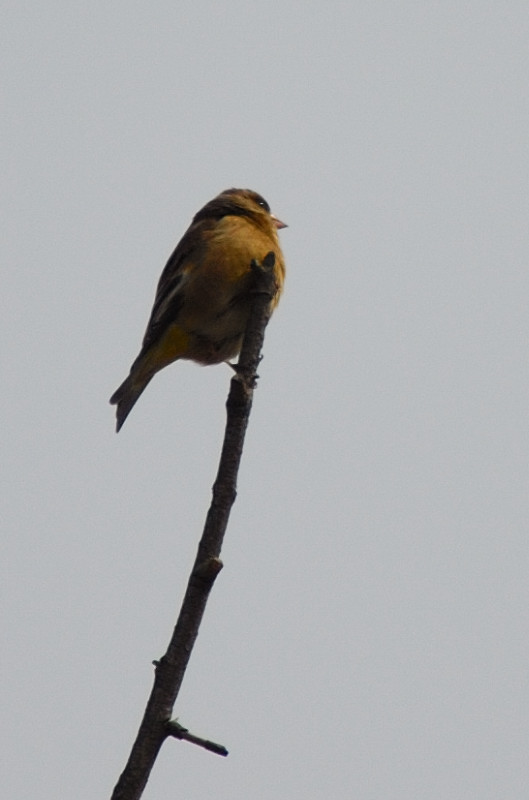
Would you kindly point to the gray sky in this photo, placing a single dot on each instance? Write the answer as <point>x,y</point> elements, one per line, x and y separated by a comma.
<point>368,635</point>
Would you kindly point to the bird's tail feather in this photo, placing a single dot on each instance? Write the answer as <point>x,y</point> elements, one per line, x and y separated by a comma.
<point>125,397</point>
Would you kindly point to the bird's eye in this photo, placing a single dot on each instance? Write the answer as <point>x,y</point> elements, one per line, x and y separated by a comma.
<point>262,202</point>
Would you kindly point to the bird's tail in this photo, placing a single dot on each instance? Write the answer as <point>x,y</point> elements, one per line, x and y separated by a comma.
<point>127,394</point>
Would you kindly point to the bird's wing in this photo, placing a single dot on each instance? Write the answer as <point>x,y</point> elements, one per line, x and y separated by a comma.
<point>170,292</point>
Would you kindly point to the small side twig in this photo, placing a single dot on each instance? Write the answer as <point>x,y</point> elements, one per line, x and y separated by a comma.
<point>156,725</point>
<point>179,732</point>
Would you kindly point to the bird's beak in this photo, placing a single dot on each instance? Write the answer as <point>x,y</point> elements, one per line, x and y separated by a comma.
<point>277,222</point>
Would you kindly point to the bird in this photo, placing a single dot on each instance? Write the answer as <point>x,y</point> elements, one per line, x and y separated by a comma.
<point>203,297</point>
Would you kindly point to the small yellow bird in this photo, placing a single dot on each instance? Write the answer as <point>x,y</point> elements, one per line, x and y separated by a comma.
<point>203,297</point>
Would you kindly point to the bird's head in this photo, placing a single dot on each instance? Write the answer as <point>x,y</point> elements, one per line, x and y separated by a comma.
<point>243,203</point>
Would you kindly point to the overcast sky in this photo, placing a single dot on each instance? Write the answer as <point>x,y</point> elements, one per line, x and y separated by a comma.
<point>368,636</point>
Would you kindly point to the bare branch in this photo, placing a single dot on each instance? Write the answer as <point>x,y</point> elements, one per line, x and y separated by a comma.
<point>170,669</point>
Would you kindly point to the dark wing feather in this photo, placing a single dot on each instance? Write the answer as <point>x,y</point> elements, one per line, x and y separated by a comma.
<point>169,296</point>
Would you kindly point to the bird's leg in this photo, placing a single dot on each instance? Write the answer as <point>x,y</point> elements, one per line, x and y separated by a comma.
<point>237,369</point>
